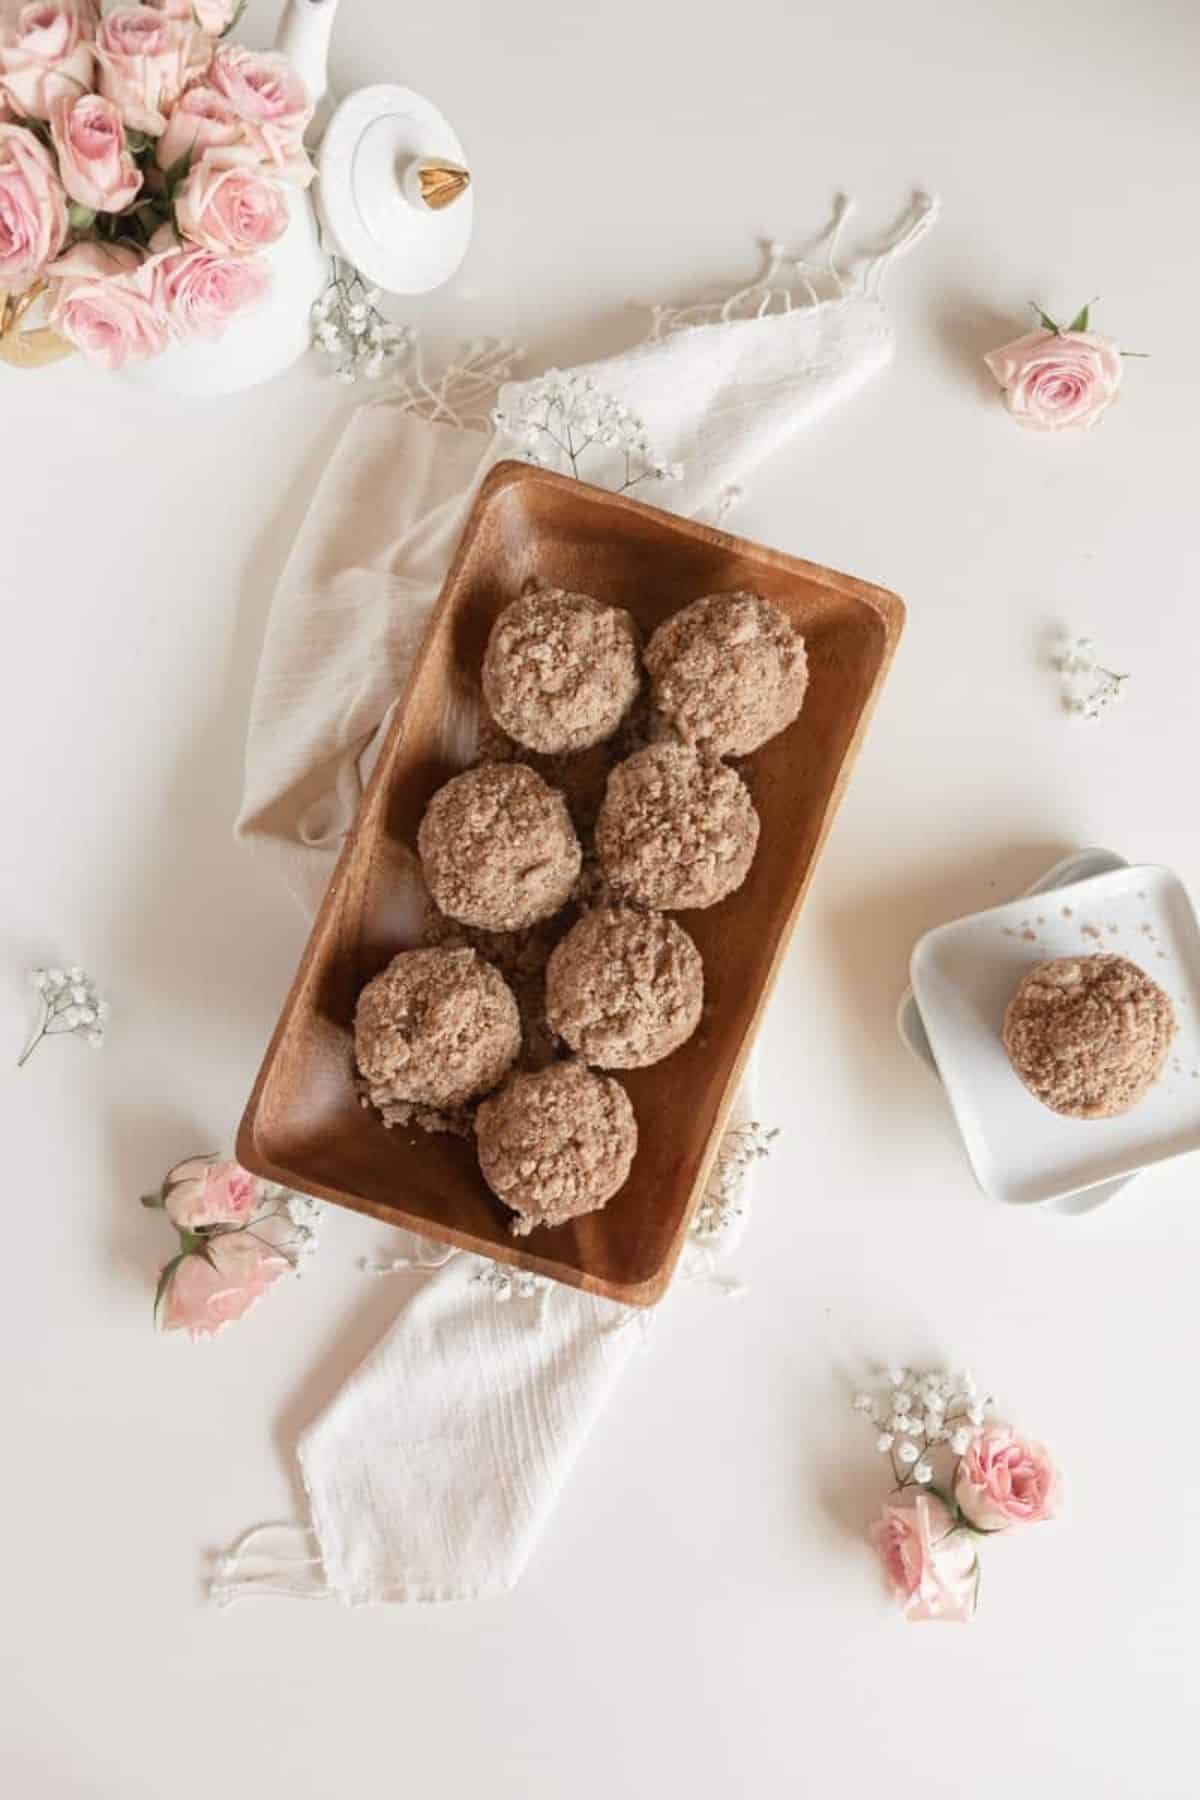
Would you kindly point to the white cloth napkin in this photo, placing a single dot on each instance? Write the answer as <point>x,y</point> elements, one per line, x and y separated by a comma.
<point>435,1467</point>
<point>431,1475</point>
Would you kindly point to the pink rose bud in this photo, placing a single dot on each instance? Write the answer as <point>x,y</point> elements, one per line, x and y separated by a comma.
<point>228,205</point>
<point>204,292</point>
<point>202,1298</point>
<point>929,1563</point>
<point>273,103</point>
<point>1055,380</point>
<point>1005,1480</point>
<point>201,1192</point>
<point>33,209</point>
<point>146,59</point>
<point>45,56</point>
<point>93,158</point>
<point>106,303</point>
<point>200,120</point>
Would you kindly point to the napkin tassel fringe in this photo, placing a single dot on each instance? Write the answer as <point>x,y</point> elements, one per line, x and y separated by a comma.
<point>790,281</point>
<point>281,1559</point>
<point>464,394</point>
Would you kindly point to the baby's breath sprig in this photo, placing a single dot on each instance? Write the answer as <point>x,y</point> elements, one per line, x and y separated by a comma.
<point>349,328</point>
<point>723,1202</point>
<point>304,1215</point>
<point>916,1415</point>
<point>505,1283</point>
<point>561,417</point>
<point>70,1006</point>
<point>1089,689</point>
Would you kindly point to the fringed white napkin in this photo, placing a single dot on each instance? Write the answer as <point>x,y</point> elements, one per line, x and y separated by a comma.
<point>434,1469</point>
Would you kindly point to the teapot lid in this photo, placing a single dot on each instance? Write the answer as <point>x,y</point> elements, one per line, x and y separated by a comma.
<point>394,190</point>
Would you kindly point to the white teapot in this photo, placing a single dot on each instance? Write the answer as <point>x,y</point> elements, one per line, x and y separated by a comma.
<point>392,195</point>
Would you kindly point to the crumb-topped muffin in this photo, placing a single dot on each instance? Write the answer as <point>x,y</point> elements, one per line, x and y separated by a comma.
<point>1088,1035</point>
<point>435,1028</point>
<point>497,847</point>
<point>676,830</point>
<point>728,672</point>
<point>556,1144</point>
<point>561,670</point>
<point>624,988</point>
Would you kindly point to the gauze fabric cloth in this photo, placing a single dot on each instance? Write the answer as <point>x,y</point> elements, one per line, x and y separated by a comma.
<point>436,1466</point>
<point>431,1475</point>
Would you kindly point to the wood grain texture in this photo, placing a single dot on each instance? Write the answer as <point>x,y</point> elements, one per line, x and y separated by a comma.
<point>303,1125</point>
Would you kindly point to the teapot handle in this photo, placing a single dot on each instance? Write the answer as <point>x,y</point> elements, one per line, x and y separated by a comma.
<point>303,37</point>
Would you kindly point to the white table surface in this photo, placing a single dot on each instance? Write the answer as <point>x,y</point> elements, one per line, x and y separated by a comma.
<point>703,1618</point>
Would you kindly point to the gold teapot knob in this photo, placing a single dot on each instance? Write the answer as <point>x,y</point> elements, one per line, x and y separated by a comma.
<point>434,183</point>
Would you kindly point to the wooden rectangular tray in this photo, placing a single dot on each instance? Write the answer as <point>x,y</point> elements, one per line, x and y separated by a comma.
<point>303,1124</point>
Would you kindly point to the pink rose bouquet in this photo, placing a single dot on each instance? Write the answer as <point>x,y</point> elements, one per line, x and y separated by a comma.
<point>237,1236</point>
<point>1058,378</point>
<point>958,1476</point>
<point>144,167</point>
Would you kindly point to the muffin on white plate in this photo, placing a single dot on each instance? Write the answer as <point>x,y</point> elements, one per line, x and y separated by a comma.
<point>1088,1035</point>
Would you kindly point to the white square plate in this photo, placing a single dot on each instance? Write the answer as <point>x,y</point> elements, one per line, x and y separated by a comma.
<point>965,973</point>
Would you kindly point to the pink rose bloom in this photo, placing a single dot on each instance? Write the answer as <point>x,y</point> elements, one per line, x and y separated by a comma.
<point>146,60</point>
<point>201,1192</point>
<point>33,209</point>
<point>204,292</point>
<point>201,1298</point>
<point>106,303</point>
<point>1005,1480</point>
<point>228,205</point>
<point>200,120</point>
<point>45,56</point>
<point>1055,380</point>
<point>268,95</point>
<point>930,1564</point>
<point>94,163</point>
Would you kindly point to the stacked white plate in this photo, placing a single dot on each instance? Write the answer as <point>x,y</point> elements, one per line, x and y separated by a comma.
<point>965,973</point>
